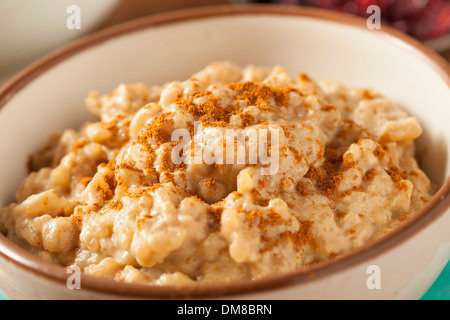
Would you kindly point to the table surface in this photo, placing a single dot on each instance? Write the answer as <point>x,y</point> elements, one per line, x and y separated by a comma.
<point>131,9</point>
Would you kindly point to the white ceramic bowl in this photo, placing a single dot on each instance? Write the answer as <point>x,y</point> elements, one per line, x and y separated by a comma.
<point>33,28</point>
<point>49,96</point>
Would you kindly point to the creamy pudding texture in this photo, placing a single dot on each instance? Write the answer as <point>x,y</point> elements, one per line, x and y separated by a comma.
<point>110,199</point>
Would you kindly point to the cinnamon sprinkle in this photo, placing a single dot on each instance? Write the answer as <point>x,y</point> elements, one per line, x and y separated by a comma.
<point>324,178</point>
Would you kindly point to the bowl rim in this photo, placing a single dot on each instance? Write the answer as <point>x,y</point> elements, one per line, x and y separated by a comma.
<point>435,208</point>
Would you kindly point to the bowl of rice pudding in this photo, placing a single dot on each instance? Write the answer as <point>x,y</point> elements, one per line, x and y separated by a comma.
<point>235,152</point>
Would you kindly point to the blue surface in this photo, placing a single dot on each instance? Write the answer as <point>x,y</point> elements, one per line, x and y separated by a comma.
<point>440,290</point>
<point>2,295</point>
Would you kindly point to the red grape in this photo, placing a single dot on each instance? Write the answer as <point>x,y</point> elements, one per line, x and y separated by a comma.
<point>362,5</point>
<point>402,9</point>
<point>329,4</point>
<point>433,21</point>
<point>424,19</point>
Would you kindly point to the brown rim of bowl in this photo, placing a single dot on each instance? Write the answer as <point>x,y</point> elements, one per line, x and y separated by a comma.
<point>432,210</point>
